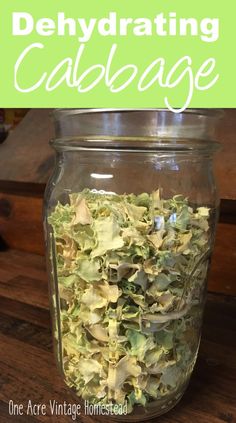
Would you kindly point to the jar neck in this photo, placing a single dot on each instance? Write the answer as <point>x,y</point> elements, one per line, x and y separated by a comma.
<point>137,144</point>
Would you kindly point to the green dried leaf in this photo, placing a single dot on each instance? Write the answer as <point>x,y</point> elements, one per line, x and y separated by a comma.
<point>88,269</point>
<point>107,233</point>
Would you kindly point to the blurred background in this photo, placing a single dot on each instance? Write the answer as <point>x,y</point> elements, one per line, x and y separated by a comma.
<point>27,162</point>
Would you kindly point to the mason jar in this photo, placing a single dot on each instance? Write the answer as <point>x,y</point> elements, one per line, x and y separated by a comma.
<point>130,216</point>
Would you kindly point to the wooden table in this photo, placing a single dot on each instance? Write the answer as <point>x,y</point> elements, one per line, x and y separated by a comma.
<point>27,366</point>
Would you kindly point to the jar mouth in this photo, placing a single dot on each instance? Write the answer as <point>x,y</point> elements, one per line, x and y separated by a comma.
<point>216,113</point>
<point>128,127</point>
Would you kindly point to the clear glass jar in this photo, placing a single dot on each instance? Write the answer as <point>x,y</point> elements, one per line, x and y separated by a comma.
<point>130,214</point>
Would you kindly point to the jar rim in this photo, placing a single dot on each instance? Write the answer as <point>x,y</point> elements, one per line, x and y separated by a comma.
<point>213,112</point>
<point>121,126</point>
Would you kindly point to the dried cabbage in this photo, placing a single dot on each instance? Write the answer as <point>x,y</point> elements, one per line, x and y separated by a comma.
<point>131,271</point>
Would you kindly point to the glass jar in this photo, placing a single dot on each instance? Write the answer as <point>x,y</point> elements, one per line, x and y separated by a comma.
<point>130,215</point>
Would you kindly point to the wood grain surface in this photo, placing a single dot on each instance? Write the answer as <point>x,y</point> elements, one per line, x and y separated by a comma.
<point>27,365</point>
<point>222,277</point>
<point>21,222</point>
